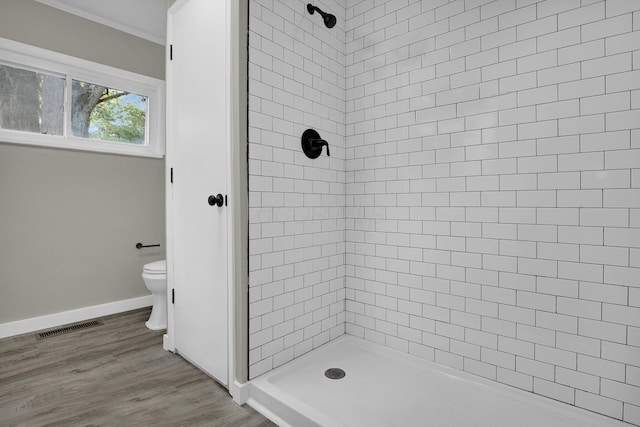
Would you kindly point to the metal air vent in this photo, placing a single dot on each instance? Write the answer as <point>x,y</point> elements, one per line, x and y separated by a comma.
<point>68,329</point>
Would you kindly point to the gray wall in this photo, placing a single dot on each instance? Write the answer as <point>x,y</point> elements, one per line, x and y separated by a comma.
<point>69,220</point>
<point>30,22</point>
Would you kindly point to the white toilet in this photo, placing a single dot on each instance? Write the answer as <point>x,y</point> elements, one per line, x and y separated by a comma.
<point>154,275</point>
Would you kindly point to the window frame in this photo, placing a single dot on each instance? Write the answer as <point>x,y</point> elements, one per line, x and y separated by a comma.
<point>19,55</point>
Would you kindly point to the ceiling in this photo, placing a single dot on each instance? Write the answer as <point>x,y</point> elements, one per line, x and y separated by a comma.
<point>142,18</point>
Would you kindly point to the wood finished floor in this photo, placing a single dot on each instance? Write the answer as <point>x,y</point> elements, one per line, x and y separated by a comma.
<point>111,375</point>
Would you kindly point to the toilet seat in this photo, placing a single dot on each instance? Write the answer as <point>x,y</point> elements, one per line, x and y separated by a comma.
<point>156,267</point>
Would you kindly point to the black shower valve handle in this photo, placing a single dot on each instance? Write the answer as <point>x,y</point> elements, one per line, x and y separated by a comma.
<point>312,144</point>
<point>322,142</point>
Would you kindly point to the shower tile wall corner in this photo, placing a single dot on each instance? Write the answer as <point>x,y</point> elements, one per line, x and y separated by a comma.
<point>296,205</point>
<point>481,207</point>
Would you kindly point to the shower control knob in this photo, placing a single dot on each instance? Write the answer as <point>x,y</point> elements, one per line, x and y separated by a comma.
<point>216,200</point>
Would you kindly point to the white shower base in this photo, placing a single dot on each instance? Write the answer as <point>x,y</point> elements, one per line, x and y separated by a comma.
<point>387,388</point>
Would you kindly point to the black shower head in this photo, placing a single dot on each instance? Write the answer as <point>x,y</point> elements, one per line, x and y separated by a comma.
<point>329,19</point>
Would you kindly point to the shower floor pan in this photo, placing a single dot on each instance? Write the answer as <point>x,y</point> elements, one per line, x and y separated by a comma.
<point>386,388</point>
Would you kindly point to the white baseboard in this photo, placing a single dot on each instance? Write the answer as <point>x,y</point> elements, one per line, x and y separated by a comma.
<point>33,324</point>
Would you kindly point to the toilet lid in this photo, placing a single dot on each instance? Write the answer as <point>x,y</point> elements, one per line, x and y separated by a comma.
<point>156,267</point>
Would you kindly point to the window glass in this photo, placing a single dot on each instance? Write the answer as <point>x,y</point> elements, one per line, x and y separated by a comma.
<point>53,100</point>
<point>108,114</point>
<point>31,101</point>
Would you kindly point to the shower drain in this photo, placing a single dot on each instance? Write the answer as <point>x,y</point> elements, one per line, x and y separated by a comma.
<point>334,373</point>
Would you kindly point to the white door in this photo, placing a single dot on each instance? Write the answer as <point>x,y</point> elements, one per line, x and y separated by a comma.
<point>197,135</point>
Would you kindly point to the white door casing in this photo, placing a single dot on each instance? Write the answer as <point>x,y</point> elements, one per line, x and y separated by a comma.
<point>198,135</point>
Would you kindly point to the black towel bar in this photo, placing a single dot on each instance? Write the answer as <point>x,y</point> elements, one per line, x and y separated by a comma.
<point>140,246</point>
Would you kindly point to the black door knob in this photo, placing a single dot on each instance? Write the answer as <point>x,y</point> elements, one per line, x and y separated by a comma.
<point>216,200</point>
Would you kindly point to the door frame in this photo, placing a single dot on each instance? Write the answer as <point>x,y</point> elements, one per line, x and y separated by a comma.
<point>237,190</point>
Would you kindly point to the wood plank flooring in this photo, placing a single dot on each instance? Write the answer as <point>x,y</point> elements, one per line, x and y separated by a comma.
<point>111,375</point>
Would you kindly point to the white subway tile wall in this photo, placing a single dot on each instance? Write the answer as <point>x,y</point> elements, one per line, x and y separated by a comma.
<point>296,205</point>
<point>503,244</point>
<point>482,209</point>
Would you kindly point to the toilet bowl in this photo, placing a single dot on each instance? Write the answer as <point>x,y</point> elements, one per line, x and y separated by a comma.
<point>154,275</point>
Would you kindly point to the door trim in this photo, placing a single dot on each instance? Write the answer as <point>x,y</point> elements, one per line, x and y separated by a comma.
<point>239,188</point>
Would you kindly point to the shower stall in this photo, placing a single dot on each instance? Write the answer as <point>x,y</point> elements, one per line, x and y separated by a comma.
<point>478,218</point>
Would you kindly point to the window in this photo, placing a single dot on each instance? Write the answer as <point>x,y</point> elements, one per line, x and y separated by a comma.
<point>107,114</point>
<point>31,101</point>
<point>54,100</point>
